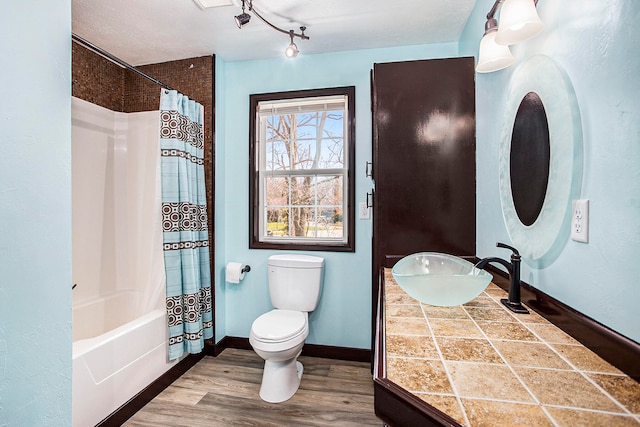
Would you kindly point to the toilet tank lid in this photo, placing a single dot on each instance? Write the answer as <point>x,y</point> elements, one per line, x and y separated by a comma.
<point>296,261</point>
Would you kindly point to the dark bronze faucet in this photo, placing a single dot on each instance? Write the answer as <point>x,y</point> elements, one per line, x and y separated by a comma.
<point>513,302</point>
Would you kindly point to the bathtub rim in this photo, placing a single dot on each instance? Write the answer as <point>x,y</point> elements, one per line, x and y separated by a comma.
<point>84,346</point>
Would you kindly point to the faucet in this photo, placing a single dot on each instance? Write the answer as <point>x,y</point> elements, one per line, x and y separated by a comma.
<point>513,267</point>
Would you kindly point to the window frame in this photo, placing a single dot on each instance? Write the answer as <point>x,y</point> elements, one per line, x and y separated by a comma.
<point>255,206</point>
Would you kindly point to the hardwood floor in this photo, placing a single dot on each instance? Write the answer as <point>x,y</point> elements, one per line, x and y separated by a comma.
<point>223,391</point>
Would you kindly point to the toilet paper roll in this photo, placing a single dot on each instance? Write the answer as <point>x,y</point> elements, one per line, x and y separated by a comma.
<point>234,272</point>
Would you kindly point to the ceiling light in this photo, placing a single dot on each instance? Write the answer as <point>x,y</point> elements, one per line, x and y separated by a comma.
<point>292,50</point>
<point>493,56</point>
<point>242,19</point>
<point>519,21</point>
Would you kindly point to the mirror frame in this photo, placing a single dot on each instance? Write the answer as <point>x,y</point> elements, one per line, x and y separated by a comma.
<point>543,240</point>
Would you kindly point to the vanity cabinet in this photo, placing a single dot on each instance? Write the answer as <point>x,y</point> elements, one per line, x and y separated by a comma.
<point>423,160</point>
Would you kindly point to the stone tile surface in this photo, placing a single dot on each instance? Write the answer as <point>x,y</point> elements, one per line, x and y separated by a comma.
<point>468,350</point>
<point>447,404</point>
<point>506,331</point>
<point>565,388</point>
<point>400,298</point>
<point>411,346</point>
<point>486,366</point>
<point>584,359</point>
<point>500,414</point>
<point>487,381</point>
<point>398,310</point>
<point>567,417</point>
<point>537,355</point>
<point>418,375</point>
<point>434,312</point>
<point>455,328</point>
<point>493,314</point>
<point>551,334</point>
<point>406,326</point>
<point>624,389</point>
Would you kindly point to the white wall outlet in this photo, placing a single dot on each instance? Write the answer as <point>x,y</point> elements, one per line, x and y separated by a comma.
<point>363,211</point>
<point>580,220</point>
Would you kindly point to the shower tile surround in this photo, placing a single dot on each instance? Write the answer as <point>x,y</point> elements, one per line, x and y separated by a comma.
<point>99,81</point>
<point>484,365</point>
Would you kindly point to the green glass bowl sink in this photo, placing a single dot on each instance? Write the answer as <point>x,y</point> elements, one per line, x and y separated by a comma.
<point>440,279</point>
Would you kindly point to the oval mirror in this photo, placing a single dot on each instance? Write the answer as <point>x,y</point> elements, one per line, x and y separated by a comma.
<point>529,158</point>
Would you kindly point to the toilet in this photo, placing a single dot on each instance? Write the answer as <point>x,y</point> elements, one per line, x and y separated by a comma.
<point>278,335</point>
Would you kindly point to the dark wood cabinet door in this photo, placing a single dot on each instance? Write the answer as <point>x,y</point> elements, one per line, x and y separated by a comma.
<point>424,158</point>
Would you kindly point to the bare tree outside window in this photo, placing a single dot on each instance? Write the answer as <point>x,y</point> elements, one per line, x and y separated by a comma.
<point>308,205</point>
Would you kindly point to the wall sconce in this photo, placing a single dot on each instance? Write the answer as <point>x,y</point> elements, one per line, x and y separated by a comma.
<point>292,50</point>
<point>519,21</point>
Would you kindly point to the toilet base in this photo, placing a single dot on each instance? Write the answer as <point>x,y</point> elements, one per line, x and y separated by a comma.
<point>280,380</point>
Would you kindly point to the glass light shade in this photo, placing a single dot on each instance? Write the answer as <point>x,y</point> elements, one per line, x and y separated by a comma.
<point>291,51</point>
<point>493,56</point>
<point>519,21</point>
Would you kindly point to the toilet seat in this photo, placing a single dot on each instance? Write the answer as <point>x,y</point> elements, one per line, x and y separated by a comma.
<point>279,325</point>
<point>279,330</point>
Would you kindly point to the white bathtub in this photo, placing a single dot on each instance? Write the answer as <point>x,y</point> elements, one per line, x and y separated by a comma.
<point>119,324</point>
<point>111,368</point>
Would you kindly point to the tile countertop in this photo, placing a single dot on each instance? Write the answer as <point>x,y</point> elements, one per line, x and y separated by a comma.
<point>485,366</point>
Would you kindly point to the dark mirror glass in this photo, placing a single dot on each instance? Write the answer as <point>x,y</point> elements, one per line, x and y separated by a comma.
<point>529,158</point>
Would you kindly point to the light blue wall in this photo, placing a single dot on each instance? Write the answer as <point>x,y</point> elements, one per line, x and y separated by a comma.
<point>597,45</point>
<point>343,317</point>
<point>35,219</point>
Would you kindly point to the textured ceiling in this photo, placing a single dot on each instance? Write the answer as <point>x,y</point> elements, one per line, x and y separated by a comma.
<point>151,31</point>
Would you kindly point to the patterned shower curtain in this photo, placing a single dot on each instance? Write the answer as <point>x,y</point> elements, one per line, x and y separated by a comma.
<point>184,224</point>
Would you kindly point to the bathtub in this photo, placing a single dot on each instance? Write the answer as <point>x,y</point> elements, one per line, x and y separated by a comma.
<point>119,322</point>
<point>111,368</point>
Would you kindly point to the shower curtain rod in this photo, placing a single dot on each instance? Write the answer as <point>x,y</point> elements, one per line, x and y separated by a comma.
<point>115,59</point>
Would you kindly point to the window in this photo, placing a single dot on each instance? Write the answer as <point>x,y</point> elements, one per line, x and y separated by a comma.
<point>302,151</point>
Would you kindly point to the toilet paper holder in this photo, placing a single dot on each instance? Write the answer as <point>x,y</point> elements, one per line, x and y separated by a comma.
<point>245,269</point>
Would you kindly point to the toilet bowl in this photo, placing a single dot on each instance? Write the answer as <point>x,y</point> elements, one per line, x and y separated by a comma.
<point>278,337</point>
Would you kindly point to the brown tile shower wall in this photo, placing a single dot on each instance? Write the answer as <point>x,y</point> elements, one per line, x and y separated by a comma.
<point>101,82</point>
<point>96,79</point>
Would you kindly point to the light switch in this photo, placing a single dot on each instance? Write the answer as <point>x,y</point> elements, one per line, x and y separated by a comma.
<point>363,211</point>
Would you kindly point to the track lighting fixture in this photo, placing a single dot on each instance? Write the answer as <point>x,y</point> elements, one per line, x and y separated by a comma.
<point>292,50</point>
<point>519,21</point>
<point>242,19</point>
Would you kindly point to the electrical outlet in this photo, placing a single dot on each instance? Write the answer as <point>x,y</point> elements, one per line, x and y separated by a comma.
<point>580,220</point>
<point>363,211</point>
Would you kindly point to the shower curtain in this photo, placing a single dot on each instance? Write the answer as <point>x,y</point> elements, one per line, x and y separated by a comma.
<point>184,224</point>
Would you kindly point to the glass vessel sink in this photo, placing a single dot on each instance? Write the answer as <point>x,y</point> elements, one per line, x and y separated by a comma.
<point>440,279</point>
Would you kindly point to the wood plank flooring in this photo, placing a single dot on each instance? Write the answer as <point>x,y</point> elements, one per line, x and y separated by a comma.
<point>223,391</point>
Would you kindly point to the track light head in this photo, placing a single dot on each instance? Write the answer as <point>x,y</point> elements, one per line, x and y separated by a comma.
<point>242,19</point>
<point>292,50</point>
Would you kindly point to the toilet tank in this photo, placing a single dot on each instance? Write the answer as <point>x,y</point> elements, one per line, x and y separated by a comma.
<point>295,281</point>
